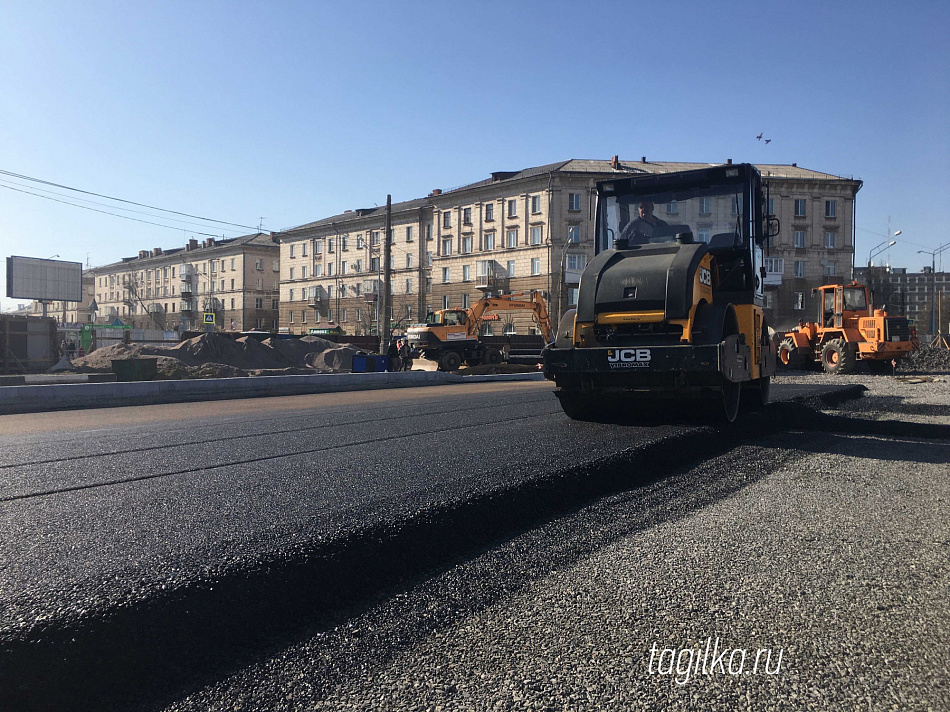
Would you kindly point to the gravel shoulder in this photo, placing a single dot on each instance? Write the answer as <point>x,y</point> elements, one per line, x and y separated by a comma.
<point>831,548</point>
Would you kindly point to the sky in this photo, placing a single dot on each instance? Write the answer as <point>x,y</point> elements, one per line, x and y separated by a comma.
<point>281,113</point>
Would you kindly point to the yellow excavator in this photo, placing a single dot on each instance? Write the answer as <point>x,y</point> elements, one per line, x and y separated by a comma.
<point>451,336</point>
<point>670,310</point>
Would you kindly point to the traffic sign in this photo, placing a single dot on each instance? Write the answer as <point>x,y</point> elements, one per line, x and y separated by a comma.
<point>209,318</point>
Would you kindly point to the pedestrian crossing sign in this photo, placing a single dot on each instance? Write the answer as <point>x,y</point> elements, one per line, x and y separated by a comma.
<point>209,317</point>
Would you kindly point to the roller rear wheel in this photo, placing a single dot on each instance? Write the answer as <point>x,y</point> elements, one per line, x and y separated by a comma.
<point>731,393</point>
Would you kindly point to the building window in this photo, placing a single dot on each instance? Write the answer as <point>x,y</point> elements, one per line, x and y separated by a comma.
<point>360,243</point>
<point>799,268</point>
<point>512,208</point>
<point>574,233</point>
<point>509,330</point>
<point>511,268</point>
<point>535,203</point>
<point>447,246</point>
<point>408,260</point>
<point>489,241</point>
<point>446,219</point>
<point>330,269</point>
<point>374,238</point>
<point>737,205</point>
<point>572,297</point>
<point>291,316</point>
<point>409,233</point>
<point>704,206</point>
<point>318,247</point>
<point>831,270</point>
<point>259,265</point>
<point>291,296</point>
<point>771,207</point>
<point>831,208</point>
<point>489,211</point>
<point>303,316</point>
<point>343,291</point>
<point>830,240</point>
<point>800,239</point>
<point>292,251</point>
<point>445,275</point>
<point>303,272</point>
<point>466,216</point>
<point>535,266</point>
<point>318,270</point>
<point>576,261</point>
<point>799,207</point>
<point>512,239</point>
<point>303,252</point>
<point>774,265</point>
<point>343,239</point>
<point>274,303</point>
<point>342,315</point>
<point>704,235</point>
<point>428,232</point>
<point>330,314</point>
<point>445,301</point>
<point>672,208</point>
<point>768,300</point>
<point>291,272</point>
<point>466,245</point>
<point>330,245</point>
<point>799,303</point>
<point>343,267</point>
<point>536,235</point>
<point>466,301</point>
<point>466,273</point>
<point>329,292</point>
<point>408,286</point>
<point>574,202</point>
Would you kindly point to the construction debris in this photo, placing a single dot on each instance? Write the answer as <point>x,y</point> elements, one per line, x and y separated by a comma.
<point>927,359</point>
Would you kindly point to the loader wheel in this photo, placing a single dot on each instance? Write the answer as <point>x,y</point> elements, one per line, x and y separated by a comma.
<point>577,406</point>
<point>792,356</point>
<point>450,361</point>
<point>837,358</point>
<point>492,356</point>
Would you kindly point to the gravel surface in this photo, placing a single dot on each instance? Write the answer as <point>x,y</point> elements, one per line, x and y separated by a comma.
<point>830,548</point>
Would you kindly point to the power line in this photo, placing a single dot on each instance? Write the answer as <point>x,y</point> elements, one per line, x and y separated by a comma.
<point>120,200</point>
<point>7,183</point>
<point>105,212</point>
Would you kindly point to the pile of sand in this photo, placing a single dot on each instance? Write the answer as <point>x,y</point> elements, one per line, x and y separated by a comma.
<point>333,360</point>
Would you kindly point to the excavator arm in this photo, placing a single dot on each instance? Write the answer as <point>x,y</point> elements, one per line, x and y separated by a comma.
<point>533,302</point>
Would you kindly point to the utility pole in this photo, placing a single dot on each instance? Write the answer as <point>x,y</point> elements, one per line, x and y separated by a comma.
<point>387,277</point>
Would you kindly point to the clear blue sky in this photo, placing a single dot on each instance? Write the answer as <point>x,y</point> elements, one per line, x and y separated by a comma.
<point>294,111</point>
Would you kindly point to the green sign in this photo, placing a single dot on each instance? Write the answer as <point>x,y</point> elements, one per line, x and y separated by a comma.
<point>209,318</point>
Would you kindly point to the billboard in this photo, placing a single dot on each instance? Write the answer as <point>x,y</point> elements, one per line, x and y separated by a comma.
<point>50,280</point>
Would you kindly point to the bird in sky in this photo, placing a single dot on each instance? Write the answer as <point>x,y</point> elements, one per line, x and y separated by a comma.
<point>759,138</point>
<point>768,140</point>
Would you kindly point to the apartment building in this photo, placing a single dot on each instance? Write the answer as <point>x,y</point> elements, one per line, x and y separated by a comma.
<point>911,294</point>
<point>236,280</point>
<point>529,230</point>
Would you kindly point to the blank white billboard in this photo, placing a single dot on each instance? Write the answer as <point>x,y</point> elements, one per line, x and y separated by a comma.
<point>55,280</point>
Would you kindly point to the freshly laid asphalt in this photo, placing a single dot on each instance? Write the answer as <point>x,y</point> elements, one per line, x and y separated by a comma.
<point>141,560</point>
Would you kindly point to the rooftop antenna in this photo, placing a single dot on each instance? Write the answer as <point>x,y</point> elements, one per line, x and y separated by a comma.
<point>260,225</point>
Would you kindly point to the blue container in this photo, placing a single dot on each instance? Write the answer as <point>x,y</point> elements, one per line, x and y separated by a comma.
<point>363,363</point>
<point>382,363</point>
<point>359,363</point>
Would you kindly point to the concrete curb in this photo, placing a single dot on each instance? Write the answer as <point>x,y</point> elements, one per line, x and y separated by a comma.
<point>70,396</point>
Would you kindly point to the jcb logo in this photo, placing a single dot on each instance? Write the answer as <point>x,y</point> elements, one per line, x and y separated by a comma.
<point>705,276</point>
<point>628,358</point>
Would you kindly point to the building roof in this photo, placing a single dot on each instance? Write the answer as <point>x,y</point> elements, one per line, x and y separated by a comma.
<point>260,238</point>
<point>573,165</point>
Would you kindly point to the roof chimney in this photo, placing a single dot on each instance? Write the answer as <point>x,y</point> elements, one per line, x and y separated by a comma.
<point>615,163</point>
<point>728,161</point>
<point>193,244</point>
<point>794,165</point>
<point>643,159</point>
<point>156,252</point>
<point>435,191</point>
<point>143,254</point>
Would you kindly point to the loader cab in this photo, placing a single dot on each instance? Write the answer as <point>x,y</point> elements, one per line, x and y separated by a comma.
<point>721,207</point>
<point>837,303</point>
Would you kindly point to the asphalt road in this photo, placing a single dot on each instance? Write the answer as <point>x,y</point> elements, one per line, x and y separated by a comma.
<point>286,548</point>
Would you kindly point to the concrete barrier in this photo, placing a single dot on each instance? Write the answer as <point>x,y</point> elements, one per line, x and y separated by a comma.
<point>69,396</point>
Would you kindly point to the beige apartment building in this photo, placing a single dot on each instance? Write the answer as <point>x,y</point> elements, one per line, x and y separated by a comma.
<point>236,280</point>
<point>530,230</point>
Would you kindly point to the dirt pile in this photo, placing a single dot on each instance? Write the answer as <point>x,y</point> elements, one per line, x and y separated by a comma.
<point>926,360</point>
<point>339,358</point>
<point>213,356</point>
